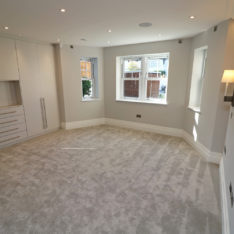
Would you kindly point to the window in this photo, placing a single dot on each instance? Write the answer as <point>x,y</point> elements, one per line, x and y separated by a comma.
<point>198,72</point>
<point>89,78</point>
<point>142,78</point>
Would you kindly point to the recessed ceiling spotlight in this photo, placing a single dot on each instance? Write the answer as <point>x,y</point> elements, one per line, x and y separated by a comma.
<point>109,31</point>
<point>192,17</point>
<point>6,27</point>
<point>63,10</point>
<point>83,39</point>
<point>145,24</point>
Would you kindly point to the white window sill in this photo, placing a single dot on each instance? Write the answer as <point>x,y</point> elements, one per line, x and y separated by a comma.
<point>157,102</point>
<point>90,99</point>
<point>194,109</point>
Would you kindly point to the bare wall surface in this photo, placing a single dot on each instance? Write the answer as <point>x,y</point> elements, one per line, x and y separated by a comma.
<point>223,108</point>
<point>170,115</point>
<point>209,125</point>
<point>205,124</point>
<point>75,108</point>
<point>58,72</point>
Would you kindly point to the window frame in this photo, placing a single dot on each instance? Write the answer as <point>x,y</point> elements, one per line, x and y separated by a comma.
<point>143,78</point>
<point>199,81</point>
<point>93,79</point>
<point>131,79</point>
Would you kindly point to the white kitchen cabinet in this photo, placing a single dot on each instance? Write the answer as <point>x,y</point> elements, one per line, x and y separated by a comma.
<point>38,85</point>
<point>8,60</point>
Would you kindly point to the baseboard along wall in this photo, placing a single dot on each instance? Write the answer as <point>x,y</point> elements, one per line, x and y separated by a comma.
<point>213,157</point>
<point>224,204</point>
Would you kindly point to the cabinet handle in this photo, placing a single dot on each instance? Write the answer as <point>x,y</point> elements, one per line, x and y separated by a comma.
<point>10,130</point>
<point>43,113</point>
<point>15,120</point>
<point>46,124</point>
<point>9,139</point>
<point>10,112</point>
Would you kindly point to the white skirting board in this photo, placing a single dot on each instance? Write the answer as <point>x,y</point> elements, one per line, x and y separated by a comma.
<point>213,157</point>
<point>224,204</point>
<point>83,123</point>
<point>145,127</point>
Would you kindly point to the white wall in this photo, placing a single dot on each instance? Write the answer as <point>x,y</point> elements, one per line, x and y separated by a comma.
<point>171,115</point>
<point>70,84</point>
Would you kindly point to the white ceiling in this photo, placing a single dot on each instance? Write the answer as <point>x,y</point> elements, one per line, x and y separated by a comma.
<point>90,19</point>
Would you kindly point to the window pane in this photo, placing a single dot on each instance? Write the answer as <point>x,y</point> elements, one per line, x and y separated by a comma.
<point>199,62</point>
<point>157,67</point>
<point>153,88</point>
<point>132,68</point>
<point>87,88</point>
<point>85,69</point>
<point>131,88</point>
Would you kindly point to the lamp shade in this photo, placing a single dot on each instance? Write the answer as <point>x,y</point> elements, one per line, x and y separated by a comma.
<point>228,76</point>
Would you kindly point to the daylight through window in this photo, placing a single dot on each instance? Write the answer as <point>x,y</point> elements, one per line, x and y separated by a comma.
<point>198,73</point>
<point>89,78</point>
<point>142,78</point>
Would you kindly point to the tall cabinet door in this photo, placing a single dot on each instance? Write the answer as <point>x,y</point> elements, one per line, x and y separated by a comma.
<point>8,64</point>
<point>49,88</point>
<point>31,86</point>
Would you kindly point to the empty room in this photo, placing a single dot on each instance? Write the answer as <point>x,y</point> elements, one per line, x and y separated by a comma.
<point>116,117</point>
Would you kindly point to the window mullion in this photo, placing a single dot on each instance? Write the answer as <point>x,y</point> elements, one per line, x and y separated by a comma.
<point>149,67</point>
<point>144,78</point>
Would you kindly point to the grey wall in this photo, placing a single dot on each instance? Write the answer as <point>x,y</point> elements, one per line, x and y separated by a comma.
<point>212,123</point>
<point>70,83</point>
<point>171,115</point>
<point>223,108</point>
<point>214,113</point>
<point>58,73</point>
<point>228,160</point>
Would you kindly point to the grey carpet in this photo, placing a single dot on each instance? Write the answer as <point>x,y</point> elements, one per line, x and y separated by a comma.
<point>103,180</point>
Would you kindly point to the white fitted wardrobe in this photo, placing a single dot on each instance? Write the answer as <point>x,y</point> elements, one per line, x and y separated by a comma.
<point>28,92</point>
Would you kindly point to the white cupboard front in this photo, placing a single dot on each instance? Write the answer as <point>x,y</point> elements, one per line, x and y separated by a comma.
<point>38,84</point>
<point>49,87</point>
<point>8,65</point>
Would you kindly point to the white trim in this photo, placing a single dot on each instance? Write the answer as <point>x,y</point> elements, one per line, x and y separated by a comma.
<point>210,156</point>
<point>83,123</point>
<point>213,157</point>
<point>156,102</point>
<point>120,70</point>
<point>124,124</point>
<point>194,109</point>
<point>224,204</point>
<point>90,99</point>
<point>145,127</point>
